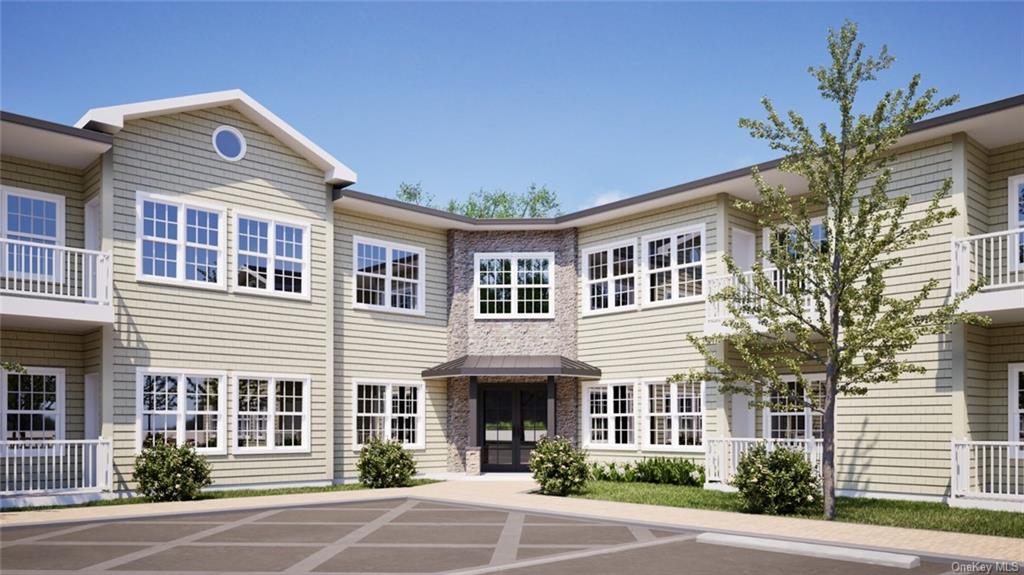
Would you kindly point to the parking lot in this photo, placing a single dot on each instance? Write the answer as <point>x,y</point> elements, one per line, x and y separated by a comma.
<point>391,536</point>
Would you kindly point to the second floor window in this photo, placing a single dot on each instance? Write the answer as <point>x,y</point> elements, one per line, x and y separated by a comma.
<point>179,242</point>
<point>674,265</point>
<point>271,256</point>
<point>33,218</point>
<point>610,281</point>
<point>514,285</point>
<point>387,276</point>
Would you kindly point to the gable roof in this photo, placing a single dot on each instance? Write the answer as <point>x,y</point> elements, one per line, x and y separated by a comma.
<point>111,120</point>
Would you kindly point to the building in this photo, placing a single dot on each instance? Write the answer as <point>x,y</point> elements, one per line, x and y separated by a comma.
<point>195,270</point>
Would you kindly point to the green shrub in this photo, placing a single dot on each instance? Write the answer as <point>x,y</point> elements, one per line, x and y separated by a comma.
<point>779,481</point>
<point>663,470</point>
<point>171,473</point>
<point>559,467</point>
<point>385,464</point>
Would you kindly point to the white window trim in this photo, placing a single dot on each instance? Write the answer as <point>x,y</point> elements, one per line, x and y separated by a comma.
<point>766,241</point>
<point>60,412</point>
<point>609,248</point>
<point>241,139</point>
<point>609,446</point>
<point>272,220</point>
<point>674,268</point>
<point>1014,408</point>
<point>389,246</point>
<point>181,374</point>
<point>1013,216</point>
<point>514,256</point>
<point>766,412</point>
<point>421,404</point>
<point>61,224</point>
<point>674,415</point>
<point>271,413</point>
<point>182,205</point>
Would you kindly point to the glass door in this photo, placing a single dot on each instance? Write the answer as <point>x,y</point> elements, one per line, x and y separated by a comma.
<point>514,418</point>
<point>533,411</point>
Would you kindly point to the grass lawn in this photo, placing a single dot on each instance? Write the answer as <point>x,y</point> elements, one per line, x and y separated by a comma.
<point>912,514</point>
<point>222,494</point>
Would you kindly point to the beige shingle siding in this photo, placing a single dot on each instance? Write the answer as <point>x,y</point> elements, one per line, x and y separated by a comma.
<point>1003,163</point>
<point>383,346</point>
<point>650,342</point>
<point>185,327</point>
<point>36,348</point>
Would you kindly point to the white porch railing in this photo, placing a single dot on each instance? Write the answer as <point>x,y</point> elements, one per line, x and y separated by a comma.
<point>66,465</point>
<point>996,258</point>
<point>987,469</point>
<point>718,311</point>
<point>56,272</point>
<point>724,454</point>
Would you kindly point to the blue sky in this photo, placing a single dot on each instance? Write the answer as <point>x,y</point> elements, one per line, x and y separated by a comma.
<point>596,101</point>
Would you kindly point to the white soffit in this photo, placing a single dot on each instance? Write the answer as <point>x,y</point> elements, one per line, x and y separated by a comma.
<point>43,145</point>
<point>111,119</point>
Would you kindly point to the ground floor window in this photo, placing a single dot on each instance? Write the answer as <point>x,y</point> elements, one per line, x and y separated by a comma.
<point>389,409</point>
<point>789,417</point>
<point>1015,395</point>
<point>609,414</point>
<point>32,404</point>
<point>674,415</point>
<point>182,407</point>
<point>271,413</point>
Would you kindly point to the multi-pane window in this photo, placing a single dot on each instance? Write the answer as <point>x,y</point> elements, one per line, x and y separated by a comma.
<point>1016,218</point>
<point>271,256</point>
<point>390,410</point>
<point>271,413</point>
<point>609,418</point>
<point>674,265</point>
<point>674,415</point>
<point>36,218</point>
<point>32,404</point>
<point>179,407</point>
<point>388,276</point>
<point>610,278</point>
<point>514,285</point>
<point>1015,397</point>
<point>179,242</point>
<point>789,417</point>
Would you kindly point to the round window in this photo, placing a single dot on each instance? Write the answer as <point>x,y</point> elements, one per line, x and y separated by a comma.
<point>229,143</point>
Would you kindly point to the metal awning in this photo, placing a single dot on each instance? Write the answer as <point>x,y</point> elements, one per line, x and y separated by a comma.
<point>512,365</point>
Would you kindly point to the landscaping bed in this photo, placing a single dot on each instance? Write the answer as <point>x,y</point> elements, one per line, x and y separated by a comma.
<point>909,514</point>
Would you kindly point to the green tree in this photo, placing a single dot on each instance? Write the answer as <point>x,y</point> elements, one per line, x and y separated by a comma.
<point>535,202</point>
<point>819,303</point>
<point>414,194</point>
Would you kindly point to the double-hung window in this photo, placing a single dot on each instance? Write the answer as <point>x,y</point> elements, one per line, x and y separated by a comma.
<point>271,413</point>
<point>271,256</point>
<point>674,415</point>
<point>182,407</point>
<point>1015,404</point>
<point>32,404</point>
<point>610,278</point>
<point>788,416</point>
<point>180,242</point>
<point>609,418</point>
<point>389,410</point>
<point>514,285</point>
<point>388,276</point>
<point>674,265</point>
<point>31,220</point>
<point>1015,219</point>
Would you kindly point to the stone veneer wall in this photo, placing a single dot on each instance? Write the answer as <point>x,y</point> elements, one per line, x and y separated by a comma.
<point>468,335</point>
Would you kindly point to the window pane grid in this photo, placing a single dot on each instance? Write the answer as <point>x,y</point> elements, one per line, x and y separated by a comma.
<point>288,412</point>
<point>35,220</point>
<point>388,410</point>
<point>790,418</point>
<point>202,411</point>
<point>598,403</point>
<point>272,256</point>
<point>202,236</point>
<point>32,407</point>
<point>610,282</point>
<point>388,277</point>
<point>622,411</point>
<point>159,239</point>
<point>288,258</point>
<point>510,285</point>
<point>159,410</point>
<point>675,266</point>
<point>253,412</point>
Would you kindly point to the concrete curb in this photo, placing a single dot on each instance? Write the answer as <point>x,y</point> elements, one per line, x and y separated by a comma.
<point>812,550</point>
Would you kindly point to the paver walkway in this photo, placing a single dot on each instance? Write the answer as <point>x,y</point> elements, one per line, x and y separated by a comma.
<point>515,495</point>
<point>405,535</point>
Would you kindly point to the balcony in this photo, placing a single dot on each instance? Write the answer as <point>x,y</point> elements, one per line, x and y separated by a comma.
<point>717,312</point>
<point>987,474</point>
<point>54,287</point>
<point>997,260</point>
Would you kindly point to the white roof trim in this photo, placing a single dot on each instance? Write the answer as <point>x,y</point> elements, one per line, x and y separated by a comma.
<point>111,119</point>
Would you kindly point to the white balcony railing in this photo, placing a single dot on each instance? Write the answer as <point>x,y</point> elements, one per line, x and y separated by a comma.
<point>723,454</point>
<point>718,311</point>
<point>55,272</point>
<point>55,466</point>
<point>997,259</point>
<point>987,470</point>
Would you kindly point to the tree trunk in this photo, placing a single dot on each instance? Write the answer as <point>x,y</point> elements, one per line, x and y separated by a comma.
<point>828,452</point>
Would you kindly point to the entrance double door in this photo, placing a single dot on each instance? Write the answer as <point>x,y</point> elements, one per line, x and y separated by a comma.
<point>514,418</point>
